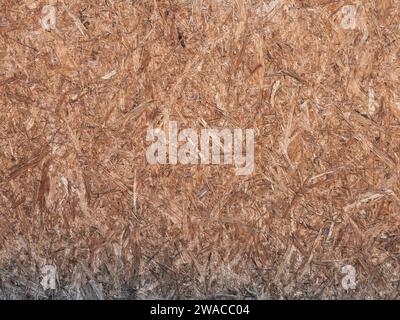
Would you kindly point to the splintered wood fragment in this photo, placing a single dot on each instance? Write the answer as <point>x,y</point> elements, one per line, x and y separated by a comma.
<point>76,20</point>
<point>285,262</point>
<point>8,80</point>
<point>44,186</point>
<point>275,88</point>
<point>24,166</point>
<point>109,75</point>
<point>369,146</point>
<point>293,75</point>
<point>202,192</point>
<point>369,196</point>
<point>134,193</point>
<point>136,112</point>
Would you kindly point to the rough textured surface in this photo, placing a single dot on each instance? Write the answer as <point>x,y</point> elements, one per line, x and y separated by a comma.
<point>76,191</point>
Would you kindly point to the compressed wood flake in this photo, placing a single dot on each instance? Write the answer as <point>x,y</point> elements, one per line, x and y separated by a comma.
<point>82,81</point>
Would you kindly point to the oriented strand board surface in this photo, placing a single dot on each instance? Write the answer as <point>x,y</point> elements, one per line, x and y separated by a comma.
<point>320,90</point>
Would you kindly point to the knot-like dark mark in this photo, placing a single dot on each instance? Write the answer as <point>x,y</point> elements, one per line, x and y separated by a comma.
<point>181,39</point>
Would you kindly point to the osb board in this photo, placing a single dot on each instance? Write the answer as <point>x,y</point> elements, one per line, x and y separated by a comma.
<point>77,193</point>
